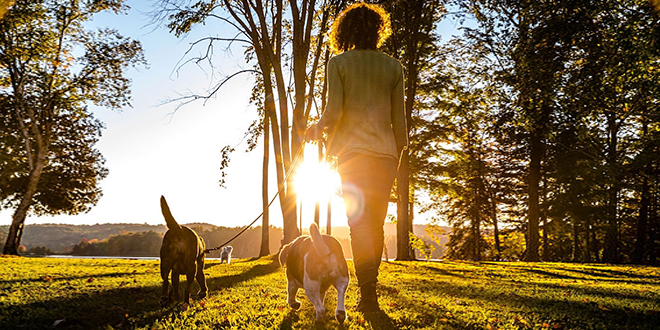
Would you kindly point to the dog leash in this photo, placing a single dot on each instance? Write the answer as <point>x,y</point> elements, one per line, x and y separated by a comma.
<point>286,178</point>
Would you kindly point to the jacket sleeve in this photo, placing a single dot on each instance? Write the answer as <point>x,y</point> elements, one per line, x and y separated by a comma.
<point>399,124</point>
<point>334,107</point>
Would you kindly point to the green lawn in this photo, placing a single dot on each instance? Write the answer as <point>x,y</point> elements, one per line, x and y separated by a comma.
<point>35,293</point>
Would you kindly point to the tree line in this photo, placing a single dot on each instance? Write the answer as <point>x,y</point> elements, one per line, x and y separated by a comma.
<point>142,240</point>
<point>537,122</point>
<point>148,243</point>
<point>546,115</point>
<point>130,239</point>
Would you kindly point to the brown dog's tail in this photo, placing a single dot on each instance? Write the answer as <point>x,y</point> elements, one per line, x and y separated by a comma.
<point>169,219</point>
<point>317,240</point>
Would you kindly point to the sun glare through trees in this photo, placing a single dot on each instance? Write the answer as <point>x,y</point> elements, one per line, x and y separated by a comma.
<point>316,182</point>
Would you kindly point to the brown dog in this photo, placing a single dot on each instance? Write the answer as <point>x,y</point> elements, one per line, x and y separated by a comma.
<point>182,252</point>
<point>314,263</point>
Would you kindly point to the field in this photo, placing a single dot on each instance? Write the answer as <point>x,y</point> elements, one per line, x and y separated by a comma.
<point>46,293</point>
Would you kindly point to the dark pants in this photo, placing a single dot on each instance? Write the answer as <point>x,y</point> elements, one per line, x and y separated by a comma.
<point>366,184</point>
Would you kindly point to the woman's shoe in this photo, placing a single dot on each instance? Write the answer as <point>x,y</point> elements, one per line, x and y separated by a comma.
<point>368,299</point>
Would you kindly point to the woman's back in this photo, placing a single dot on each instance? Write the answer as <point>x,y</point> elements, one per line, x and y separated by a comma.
<point>366,97</point>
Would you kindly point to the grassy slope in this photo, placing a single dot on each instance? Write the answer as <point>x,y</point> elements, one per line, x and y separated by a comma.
<point>251,294</point>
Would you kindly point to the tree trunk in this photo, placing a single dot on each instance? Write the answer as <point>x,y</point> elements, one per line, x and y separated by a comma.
<point>317,204</point>
<point>638,256</point>
<point>611,249</point>
<point>269,57</point>
<point>404,222</point>
<point>544,221</point>
<point>654,224</point>
<point>403,228</point>
<point>476,229</point>
<point>496,230</point>
<point>18,219</point>
<point>536,152</point>
<point>39,131</point>
<point>405,191</point>
<point>302,27</point>
<point>265,221</point>
<point>594,245</point>
<point>269,104</point>
<point>577,252</point>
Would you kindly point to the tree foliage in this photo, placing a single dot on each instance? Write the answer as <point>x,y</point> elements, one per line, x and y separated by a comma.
<point>569,96</point>
<point>51,69</point>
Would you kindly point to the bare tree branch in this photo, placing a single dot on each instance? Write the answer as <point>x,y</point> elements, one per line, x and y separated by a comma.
<point>187,99</point>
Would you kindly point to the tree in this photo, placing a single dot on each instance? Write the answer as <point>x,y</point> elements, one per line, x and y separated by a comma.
<point>270,30</point>
<point>626,32</point>
<point>414,41</point>
<point>522,35</point>
<point>462,180</point>
<point>44,91</point>
<point>580,81</point>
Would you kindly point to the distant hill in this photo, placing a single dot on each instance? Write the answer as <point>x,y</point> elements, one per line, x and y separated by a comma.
<point>61,238</point>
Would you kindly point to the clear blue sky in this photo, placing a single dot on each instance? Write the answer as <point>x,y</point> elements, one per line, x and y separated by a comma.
<point>150,151</point>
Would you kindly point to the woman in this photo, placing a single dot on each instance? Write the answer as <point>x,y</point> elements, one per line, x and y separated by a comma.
<point>366,125</point>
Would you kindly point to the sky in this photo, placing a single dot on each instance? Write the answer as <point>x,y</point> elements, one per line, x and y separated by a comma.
<point>154,149</point>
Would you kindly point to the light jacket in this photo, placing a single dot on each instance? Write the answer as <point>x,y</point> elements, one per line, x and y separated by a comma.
<point>365,112</point>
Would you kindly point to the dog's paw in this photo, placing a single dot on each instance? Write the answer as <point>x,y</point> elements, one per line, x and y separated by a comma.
<point>201,294</point>
<point>295,305</point>
<point>340,316</point>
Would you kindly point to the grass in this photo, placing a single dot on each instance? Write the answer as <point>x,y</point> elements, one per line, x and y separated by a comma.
<point>36,293</point>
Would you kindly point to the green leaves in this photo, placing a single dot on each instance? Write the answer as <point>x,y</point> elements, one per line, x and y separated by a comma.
<point>48,134</point>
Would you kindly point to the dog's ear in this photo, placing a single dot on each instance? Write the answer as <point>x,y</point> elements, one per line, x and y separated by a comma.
<point>284,254</point>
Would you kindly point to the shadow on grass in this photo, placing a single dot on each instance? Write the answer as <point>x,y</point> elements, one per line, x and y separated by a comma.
<point>610,273</point>
<point>595,274</point>
<point>380,321</point>
<point>85,310</point>
<point>542,301</point>
<point>222,282</point>
<point>124,307</point>
<point>289,319</point>
<point>435,270</point>
<point>73,278</point>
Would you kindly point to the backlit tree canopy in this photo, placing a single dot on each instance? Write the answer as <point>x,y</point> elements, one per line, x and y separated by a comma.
<point>51,69</point>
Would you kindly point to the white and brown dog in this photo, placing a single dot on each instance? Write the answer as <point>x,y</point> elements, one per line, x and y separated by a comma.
<point>314,263</point>
<point>225,254</point>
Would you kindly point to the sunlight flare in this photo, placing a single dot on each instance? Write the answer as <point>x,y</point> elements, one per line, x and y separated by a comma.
<point>315,181</point>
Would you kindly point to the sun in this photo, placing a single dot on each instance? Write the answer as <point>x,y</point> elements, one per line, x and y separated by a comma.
<point>315,181</point>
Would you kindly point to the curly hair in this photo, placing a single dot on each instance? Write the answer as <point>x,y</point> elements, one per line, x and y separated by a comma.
<point>360,26</point>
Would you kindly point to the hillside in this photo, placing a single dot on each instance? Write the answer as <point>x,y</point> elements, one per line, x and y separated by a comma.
<point>61,238</point>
